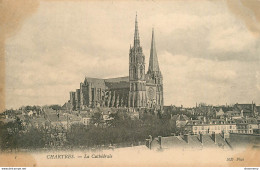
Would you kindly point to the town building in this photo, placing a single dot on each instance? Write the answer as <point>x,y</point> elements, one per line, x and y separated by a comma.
<point>210,126</point>
<point>179,121</point>
<point>138,90</point>
<point>246,125</point>
<point>249,110</point>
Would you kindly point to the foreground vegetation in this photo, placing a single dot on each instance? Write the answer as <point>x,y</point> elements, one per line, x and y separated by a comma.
<point>119,130</point>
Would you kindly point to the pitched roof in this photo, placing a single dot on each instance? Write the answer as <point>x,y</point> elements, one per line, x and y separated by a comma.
<point>111,83</point>
<point>94,80</point>
<point>171,141</point>
<point>117,85</point>
<point>180,117</point>
<point>193,142</point>
<point>258,108</point>
<point>237,140</point>
<point>224,109</point>
<point>117,79</point>
<point>244,107</point>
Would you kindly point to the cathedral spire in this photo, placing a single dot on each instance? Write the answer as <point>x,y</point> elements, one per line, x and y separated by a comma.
<point>153,62</point>
<point>136,37</point>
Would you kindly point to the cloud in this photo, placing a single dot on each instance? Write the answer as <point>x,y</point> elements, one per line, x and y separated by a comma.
<point>231,39</point>
<point>190,80</point>
<point>217,36</point>
<point>205,53</point>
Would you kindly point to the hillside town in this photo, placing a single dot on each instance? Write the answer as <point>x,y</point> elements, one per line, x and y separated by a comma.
<point>196,127</point>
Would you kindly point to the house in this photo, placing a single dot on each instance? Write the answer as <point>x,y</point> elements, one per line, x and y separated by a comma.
<point>223,112</point>
<point>219,112</point>
<point>179,121</point>
<point>257,110</point>
<point>170,109</point>
<point>86,120</point>
<point>248,110</point>
<point>233,114</point>
<point>246,125</point>
<point>210,126</point>
<point>73,119</point>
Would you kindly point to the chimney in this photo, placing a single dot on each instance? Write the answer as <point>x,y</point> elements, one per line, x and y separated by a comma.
<point>150,137</point>
<point>214,137</point>
<point>160,141</point>
<point>201,138</point>
<point>148,143</point>
<point>223,134</point>
<point>186,138</point>
<point>253,108</point>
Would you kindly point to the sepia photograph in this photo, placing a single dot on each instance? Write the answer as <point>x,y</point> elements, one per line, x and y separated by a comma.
<point>120,83</point>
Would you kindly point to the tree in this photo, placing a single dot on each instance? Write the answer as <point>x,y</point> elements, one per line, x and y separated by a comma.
<point>55,107</point>
<point>10,134</point>
<point>97,118</point>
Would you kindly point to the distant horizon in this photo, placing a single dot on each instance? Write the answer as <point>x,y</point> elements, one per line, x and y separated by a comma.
<point>204,55</point>
<point>207,104</point>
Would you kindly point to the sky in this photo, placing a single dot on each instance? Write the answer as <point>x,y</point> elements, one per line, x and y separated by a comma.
<point>208,51</point>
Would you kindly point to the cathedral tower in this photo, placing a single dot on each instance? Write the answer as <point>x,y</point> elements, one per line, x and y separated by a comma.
<point>155,75</point>
<point>137,93</point>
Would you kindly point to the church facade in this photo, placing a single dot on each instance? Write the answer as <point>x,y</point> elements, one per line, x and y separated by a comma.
<point>138,90</point>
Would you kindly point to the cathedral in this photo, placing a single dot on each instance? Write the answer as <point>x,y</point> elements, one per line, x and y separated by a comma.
<point>140,89</point>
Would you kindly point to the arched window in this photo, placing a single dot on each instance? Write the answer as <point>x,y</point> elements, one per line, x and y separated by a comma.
<point>131,72</point>
<point>135,71</point>
<point>141,71</point>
